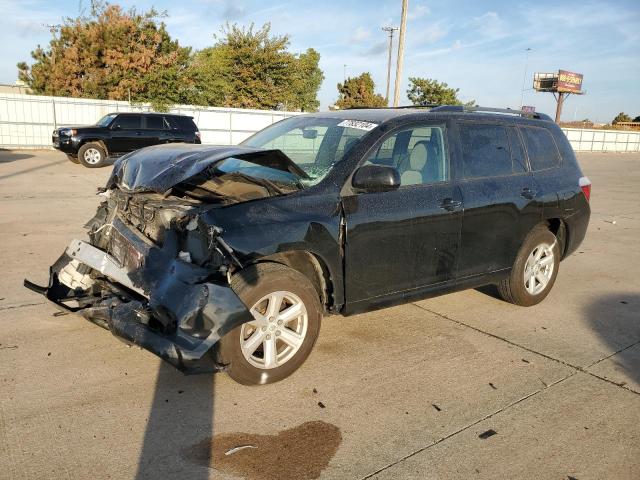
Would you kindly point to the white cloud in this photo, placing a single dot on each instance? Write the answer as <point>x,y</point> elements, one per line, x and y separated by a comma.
<point>418,12</point>
<point>360,35</point>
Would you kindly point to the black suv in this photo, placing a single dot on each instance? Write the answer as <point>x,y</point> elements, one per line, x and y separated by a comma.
<point>228,257</point>
<point>119,133</point>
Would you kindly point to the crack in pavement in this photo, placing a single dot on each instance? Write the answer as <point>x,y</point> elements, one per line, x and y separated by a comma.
<point>20,305</point>
<point>576,369</point>
<point>466,427</point>
<point>535,352</point>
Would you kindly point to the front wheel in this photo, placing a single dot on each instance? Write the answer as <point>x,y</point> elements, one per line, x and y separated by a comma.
<point>286,321</point>
<point>92,155</point>
<point>534,271</point>
<point>73,158</point>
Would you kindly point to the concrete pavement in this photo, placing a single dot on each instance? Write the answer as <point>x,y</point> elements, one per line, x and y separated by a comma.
<point>413,391</point>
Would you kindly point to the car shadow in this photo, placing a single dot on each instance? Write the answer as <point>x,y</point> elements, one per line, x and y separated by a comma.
<point>8,156</point>
<point>180,417</point>
<point>616,320</point>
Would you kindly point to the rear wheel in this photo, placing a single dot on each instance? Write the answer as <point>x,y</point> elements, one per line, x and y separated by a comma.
<point>286,321</point>
<point>534,271</point>
<point>92,155</point>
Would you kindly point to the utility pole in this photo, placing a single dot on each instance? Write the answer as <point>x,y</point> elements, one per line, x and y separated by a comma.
<point>390,30</point>
<point>524,77</point>
<point>403,28</point>
<point>344,73</point>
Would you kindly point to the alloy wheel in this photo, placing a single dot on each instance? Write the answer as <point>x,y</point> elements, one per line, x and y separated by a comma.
<point>277,331</point>
<point>538,270</point>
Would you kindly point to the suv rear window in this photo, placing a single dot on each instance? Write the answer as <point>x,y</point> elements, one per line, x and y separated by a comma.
<point>541,148</point>
<point>485,150</point>
<point>183,123</point>
<point>156,122</point>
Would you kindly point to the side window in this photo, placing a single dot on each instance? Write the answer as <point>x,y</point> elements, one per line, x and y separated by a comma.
<point>419,153</point>
<point>129,122</point>
<point>518,156</point>
<point>541,148</point>
<point>181,123</point>
<point>485,150</point>
<point>155,122</point>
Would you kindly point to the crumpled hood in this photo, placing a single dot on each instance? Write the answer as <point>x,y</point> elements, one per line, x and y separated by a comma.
<point>159,168</point>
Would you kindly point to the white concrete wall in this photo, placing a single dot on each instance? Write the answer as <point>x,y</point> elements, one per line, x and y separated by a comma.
<point>593,140</point>
<point>27,121</point>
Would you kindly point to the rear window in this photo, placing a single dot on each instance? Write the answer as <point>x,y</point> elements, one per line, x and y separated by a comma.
<point>183,123</point>
<point>541,148</point>
<point>156,122</point>
<point>485,150</point>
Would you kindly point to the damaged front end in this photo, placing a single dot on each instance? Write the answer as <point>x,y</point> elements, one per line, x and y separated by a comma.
<point>153,272</point>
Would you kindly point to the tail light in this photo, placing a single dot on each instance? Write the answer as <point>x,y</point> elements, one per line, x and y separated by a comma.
<point>198,135</point>
<point>585,185</point>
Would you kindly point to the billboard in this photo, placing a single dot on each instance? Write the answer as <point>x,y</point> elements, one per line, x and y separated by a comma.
<point>569,82</point>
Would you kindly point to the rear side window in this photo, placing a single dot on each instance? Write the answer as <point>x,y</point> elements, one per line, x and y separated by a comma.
<point>485,150</point>
<point>129,122</point>
<point>183,123</point>
<point>156,122</point>
<point>541,148</point>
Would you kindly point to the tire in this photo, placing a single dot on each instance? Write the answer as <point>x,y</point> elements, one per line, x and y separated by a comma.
<point>259,287</point>
<point>73,158</point>
<point>539,245</point>
<point>92,155</point>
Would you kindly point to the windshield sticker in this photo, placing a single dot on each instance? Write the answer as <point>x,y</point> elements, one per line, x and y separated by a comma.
<point>358,124</point>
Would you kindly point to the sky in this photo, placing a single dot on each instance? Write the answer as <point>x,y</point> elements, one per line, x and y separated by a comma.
<point>476,46</point>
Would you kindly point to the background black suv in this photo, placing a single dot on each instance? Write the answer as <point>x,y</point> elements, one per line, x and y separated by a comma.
<point>118,133</point>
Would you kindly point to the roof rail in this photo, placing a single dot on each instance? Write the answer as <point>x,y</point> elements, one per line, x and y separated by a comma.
<point>508,111</point>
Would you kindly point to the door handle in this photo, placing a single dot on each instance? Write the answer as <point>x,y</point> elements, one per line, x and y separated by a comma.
<point>527,193</point>
<point>450,204</point>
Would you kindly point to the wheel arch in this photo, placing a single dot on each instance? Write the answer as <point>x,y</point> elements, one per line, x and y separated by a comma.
<point>99,141</point>
<point>559,228</point>
<point>309,265</point>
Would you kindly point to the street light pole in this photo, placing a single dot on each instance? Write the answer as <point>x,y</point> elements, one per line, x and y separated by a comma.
<point>403,28</point>
<point>524,77</point>
<point>390,30</point>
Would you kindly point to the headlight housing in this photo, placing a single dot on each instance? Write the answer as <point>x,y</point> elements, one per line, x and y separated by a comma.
<point>68,132</point>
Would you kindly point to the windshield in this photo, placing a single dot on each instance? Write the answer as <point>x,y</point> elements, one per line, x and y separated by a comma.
<point>315,144</point>
<point>106,120</point>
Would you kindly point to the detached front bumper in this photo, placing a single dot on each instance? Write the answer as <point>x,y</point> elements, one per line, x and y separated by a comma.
<point>165,305</point>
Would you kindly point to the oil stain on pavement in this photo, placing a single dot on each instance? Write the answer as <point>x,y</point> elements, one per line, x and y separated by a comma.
<point>302,452</point>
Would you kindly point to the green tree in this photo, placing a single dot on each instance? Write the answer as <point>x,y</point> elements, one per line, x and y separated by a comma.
<point>359,92</point>
<point>637,119</point>
<point>621,117</point>
<point>110,54</point>
<point>427,91</point>
<point>248,68</point>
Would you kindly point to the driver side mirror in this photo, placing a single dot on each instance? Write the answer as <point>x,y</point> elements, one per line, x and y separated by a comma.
<point>376,178</point>
<point>116,126</point>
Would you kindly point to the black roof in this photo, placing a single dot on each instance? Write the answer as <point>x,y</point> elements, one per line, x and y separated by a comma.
<point>150,113</point>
